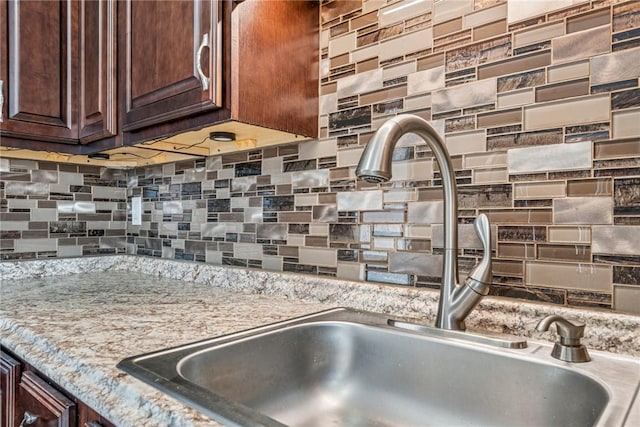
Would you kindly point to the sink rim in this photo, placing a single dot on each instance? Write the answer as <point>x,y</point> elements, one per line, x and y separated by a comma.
<point>170,381</point>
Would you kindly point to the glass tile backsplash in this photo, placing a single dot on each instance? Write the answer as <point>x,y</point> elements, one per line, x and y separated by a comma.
<point>538,102</point>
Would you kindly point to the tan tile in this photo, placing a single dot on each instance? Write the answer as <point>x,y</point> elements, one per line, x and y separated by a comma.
<point>485,15</point>
<point>342,44</point>
<point>407,43</point>
<point>324,257</point>
<point>520,10</point>
<point>516,97</point>
<point>350,157</point>
<point>328,88</point>
<point>588,109</point>
<point>573,70</point>
<point>592,277</point>
<point>493,175</point>
<point>569,234</point>
<point>490,30</point>
<point>466,142</point>
<point>417,102</point>
<point>539,190</point>
<point>537,34</point>
<point>399,70</point>
<point>494,158</point>
<point>447,27</point>
<point>445,10</point>
<point>412,170</point>
<point>508,268</point>
<point>625,123</point>
<point>626,299</point>
<point>360,83</point>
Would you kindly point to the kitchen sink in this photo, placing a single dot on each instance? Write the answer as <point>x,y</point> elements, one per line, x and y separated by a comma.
<point>352,368</point>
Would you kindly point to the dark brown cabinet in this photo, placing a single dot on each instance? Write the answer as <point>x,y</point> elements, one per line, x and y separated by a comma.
<point>29,399</point>
<point>169,55</point>
<point>85,76</point>
<point>9,375</point>
<point>57,72</point>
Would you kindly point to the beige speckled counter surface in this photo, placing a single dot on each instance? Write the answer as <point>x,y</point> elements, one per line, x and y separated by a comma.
<point>74,319</point>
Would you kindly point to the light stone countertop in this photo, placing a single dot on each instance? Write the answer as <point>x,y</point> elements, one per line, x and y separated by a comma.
<point>75,319</point>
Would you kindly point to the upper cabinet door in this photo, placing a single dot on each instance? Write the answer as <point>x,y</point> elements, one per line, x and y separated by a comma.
<point>39,71</point>
<point>98,94</point>
<point>57,71</point>
<point>171,64</point>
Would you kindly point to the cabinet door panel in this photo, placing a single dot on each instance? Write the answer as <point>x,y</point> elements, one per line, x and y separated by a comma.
<point>38,399</point>
<point>41,75</point>
<point>9,375</point>
<point>166,60</point>
<point>97,70</point>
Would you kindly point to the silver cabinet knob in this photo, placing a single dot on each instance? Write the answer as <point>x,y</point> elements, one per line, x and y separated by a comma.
<point>28,419</point>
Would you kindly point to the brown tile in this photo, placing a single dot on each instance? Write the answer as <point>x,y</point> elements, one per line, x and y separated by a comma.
<point>509,268</point>
<point>478,53</point>
<point>332,10</point>
<point>562,90</point>
<point>499,118</point>
<point>626,16</point>
<point>383,95</point>
<point>295,217</point>
<point>339,61</point>
<point>515,65</point>
<point>589,187</point>
<point>490,30</point>
<point>316,241</point>
<point>588,20</point>
<point>579,253</point>
<point>364,20</point>
<point>447,27</point>
<point>431,61</point>
<point>522,233</point>
<point>517,250</point>
<point>524,216</point>
<point>367,65</point>
<point>617,149</point>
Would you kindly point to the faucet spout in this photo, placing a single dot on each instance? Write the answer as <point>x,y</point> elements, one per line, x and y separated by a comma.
<point>456,301</point>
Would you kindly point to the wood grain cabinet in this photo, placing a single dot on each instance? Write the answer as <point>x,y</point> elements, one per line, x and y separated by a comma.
<point>169,52</point>
<point>84,76</point>
<point>57,74</point>
<point>28,399</point>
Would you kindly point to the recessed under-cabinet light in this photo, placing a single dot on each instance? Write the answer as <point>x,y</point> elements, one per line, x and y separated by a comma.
<point>222,136</point>
<point>99,156</point>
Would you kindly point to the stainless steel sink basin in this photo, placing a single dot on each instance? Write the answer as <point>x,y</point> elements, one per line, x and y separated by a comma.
<point>349,368</point>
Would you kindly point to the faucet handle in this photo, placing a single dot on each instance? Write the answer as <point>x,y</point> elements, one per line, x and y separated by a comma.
<point>568,348</point>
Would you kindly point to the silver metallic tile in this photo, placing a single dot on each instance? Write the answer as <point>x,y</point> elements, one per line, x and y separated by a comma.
<point>17,188</point>
<point>66,207</point>
<point>359,200</point>
<point>470,94</point>
<point>550,158</point>
<point>272,231</point>
<point>310,179</point>
<point>583,210</point>
<point>615,67</point>
<point>325,213</point>
<point>583,44</point>
<point>415,263</point>
<point>426,212</point>
<point>172,207</point>
<point>244,184</point>
<point>360,83</point>
<point>621,239</point>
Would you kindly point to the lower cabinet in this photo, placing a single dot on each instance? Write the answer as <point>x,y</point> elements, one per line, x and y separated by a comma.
<point>28,399</point>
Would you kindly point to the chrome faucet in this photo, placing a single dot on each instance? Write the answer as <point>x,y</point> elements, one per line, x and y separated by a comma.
<point>456,300</point>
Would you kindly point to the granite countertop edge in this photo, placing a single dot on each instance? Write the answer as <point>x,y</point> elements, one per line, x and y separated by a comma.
<point>613,332</point>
